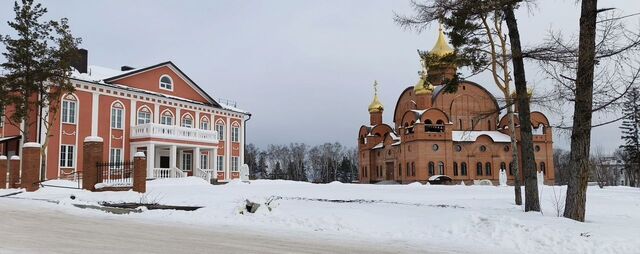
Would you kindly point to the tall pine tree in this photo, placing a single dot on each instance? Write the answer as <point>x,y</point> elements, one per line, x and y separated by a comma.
<point>36,70</point>
<point>631,133</point>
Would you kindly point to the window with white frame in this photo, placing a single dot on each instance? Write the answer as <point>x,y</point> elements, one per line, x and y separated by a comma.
<point>166,83</point>
<point>69,105</point>
<point>220,130</point>
<point>235,164</point>
<point>116,155</point>
<point>187,121</point>
<point>187,160</point>
<point>116,115</point>
<point>166,118</point>
<point>220,161</point>
<point>204,123</point>
<point>204,161</point>
<point>67,156</point>
<point>144,116</point>
<point>235,134</point>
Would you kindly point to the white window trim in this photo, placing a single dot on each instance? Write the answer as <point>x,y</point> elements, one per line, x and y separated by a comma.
<point>235,132</point>
<point>203,120</point>
<point>66,153</point>
<point>75,111</point>
<point>164,88</point>
<point>140,110</point>
<point>185,117</point>
<point>163,114</point>
<point>220,162</point>
<point>235,164</point>
<point>122,116</point>
<point>220,133</point>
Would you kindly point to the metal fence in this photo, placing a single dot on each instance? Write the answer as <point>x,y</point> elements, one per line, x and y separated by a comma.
<point>115,174</point>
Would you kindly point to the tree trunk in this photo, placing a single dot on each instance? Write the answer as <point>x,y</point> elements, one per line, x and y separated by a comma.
<point>514,151</point>
<point>581,133</point>
<point>532,202</point>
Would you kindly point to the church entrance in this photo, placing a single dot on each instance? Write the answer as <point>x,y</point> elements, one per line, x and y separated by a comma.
<point>390,170</point>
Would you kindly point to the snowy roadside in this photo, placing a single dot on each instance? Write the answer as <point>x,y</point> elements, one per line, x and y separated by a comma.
<point>473,219</point>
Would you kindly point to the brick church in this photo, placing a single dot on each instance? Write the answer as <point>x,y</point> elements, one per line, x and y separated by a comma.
<point>461,135</point>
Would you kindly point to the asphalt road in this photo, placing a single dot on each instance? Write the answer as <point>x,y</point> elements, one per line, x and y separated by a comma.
<point>32,229</point>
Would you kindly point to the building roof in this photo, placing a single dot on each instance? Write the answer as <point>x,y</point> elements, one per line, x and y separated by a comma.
<point>472,136</point>
<point>107,77</point>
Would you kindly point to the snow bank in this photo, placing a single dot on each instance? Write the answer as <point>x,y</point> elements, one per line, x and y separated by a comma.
<point>474,219</point>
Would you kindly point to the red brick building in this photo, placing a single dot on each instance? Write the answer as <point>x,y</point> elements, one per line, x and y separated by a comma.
<point>458,134</point>
<point>157,109</point>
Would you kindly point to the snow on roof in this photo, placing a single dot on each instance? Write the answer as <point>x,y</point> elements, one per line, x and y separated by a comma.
<point>381,145</point>
<point>394,136</point>
<point>471,136</point>
<point>99,74</point>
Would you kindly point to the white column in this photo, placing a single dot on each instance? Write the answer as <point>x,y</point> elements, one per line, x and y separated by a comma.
<point>95,109</point>
<point>227,138</point>
<point>196,159</point>
<point>156,113</point>
<point>133,120</point>
<point>151,159</point>
<point>172,156</point>
<point>214,159</point>
<point>241,135</point>
<point>178,120</point>
<point>196,121</point>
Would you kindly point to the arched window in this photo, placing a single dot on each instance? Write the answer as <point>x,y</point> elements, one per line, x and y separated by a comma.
<point>431,168</point>
<point>455,169</point>
<point>413,169</point>
<point>428,121</point>
<point>408,170</point>
<point>204,123</point>
<point>487,168</point>
<point>440,122</point>
<point>463,168</point>
<point>117,113</point>
<point>166,83</point>
<point>220,129</point>
<point>441,168</point>
<point>479,168</point>
<point>144,115</point>
<point>166,118</point>
<point>69,109</point>
<point>543,168</point>
<point>235,132</point>
<point>503,166</point>
<point>187,121</point>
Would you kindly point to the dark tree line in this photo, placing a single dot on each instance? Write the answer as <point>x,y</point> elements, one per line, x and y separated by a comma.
<point>299,162</point>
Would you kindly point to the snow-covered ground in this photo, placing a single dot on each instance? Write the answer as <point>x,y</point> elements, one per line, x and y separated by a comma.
<point>468,219</point>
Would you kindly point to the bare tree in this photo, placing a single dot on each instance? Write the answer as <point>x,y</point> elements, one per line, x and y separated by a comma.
<point>593,76</point>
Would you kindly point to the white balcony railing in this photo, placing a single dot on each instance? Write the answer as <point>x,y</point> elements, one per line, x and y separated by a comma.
<point>154,130</point>
<point>159,173</point>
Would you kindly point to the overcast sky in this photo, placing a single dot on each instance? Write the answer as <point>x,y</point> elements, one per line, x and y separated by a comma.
<point>303,68</point>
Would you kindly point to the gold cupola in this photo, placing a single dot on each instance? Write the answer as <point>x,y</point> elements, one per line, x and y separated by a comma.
<point>441,48</point>
<point>423,86</point>
<point>375,106</point>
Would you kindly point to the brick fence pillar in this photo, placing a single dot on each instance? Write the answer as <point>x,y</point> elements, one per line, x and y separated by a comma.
<point>4,164</point>
<point>91,154</point>
<point>139,172</point>
<point>30,166</point>
<point>14,172</point>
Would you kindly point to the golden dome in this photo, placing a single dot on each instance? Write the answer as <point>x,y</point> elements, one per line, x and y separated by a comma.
<point>441,48</point>
<point>423,87</point>
<point>375,106</point>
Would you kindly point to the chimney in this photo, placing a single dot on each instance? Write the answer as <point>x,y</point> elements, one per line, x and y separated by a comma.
<point>81,63</point>
<point>126,68</point>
